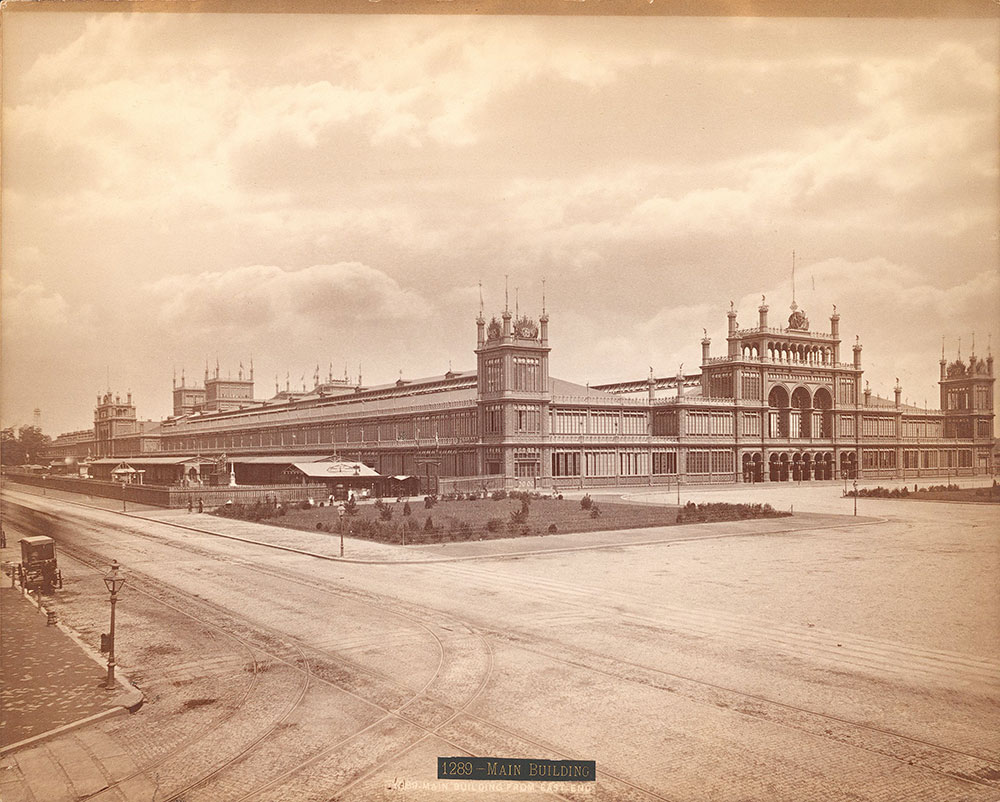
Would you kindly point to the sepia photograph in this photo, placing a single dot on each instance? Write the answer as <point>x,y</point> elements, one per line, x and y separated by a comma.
<point>516,400</point>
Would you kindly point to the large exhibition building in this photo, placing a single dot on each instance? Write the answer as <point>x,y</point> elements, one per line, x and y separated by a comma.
<point>778,405</point>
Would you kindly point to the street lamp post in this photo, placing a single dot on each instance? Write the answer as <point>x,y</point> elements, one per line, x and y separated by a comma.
<point>340,515</point>
<point>855,496</point>
<point>114,581</point>
<point>123,496</point>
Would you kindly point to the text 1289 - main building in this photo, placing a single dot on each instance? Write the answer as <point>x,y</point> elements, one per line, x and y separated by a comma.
<point>780,405</point>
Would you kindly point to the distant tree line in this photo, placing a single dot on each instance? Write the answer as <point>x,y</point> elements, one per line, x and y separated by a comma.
<point>24,447</point>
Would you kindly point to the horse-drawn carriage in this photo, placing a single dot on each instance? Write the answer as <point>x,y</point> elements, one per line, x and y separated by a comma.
<point>38,569</point>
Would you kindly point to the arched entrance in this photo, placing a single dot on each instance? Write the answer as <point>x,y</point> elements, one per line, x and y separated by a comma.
<point>777,400</point>
<point>823,417</point>
<point>848,465</point>
<point>801,413</point>
<point>753,468</point>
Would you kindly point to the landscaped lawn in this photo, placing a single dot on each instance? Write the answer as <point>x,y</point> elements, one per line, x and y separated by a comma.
<point>523,515</point>
<point>484,518</point>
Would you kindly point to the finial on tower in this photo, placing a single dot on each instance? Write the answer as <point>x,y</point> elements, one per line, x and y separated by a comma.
<point>543,295</point>
<point>480,299</point>
<point>506,292</point>
<point>959,349</point>
<point>794,305</point>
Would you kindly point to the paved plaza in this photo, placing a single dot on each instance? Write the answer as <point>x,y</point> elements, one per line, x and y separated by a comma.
<point>821,656</point>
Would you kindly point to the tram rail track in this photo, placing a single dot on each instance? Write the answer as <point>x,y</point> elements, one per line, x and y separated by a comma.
<point>992,768</point>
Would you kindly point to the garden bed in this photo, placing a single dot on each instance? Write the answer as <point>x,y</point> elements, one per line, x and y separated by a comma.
<point>978,495</point>
<point>429,520</point>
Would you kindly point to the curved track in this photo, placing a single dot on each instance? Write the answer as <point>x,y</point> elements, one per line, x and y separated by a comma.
<point>983,772</point>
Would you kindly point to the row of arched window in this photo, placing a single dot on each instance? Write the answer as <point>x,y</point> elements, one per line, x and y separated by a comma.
<point>793,353</point>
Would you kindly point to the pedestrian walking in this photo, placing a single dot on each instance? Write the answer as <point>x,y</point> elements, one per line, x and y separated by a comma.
<point>190,505</point>
<point>201,505</point>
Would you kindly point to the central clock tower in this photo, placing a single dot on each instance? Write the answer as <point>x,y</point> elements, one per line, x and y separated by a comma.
<point>513,395</point>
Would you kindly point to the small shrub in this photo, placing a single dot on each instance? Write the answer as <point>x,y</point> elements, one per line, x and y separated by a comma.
<point>305,504</point>
<point>385,513</point>
<point>320,526</point>
<point>498,495</point>
<point>429,502</point>
<point>586,502</point>
<point>493,524</point>
<point>406,509</point>
<point>595,511</point>
<point>553,529</point>
<point>429,524</point>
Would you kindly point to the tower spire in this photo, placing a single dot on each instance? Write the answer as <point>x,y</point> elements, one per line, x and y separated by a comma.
<point>543,295</point>
<point>506,292</point>
<point>794,305</point>
<point>480,298</point>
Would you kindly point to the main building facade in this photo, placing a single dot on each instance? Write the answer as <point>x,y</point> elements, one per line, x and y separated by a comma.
<point>779,405</point>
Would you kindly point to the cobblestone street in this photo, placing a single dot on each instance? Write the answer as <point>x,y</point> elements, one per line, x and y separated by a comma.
<point>817,657</point>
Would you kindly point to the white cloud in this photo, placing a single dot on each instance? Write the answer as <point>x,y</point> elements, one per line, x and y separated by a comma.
<point>265,296</point>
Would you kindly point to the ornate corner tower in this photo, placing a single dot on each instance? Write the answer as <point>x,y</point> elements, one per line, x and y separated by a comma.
<point>513,396</point>
<point>967,398</point>
<point>113,418</point>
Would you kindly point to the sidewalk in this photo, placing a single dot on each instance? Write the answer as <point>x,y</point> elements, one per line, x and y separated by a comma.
<point>47,680</point>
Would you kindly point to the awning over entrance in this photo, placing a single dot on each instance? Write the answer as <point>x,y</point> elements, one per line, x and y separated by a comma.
<point>334,470</point>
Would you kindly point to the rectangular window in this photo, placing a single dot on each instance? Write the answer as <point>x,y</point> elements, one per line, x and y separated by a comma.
<point>664,462</point>
<point>568,422</point>
<point>698,423</point>
<point>665,424</point>
<point>751,386</point>
<point>494,375</point>
<point>633,463</point>
<point>493,419</point>
<point>722,462</point>
<point>698,462</point>
<point>527,419</point>
<point>566,463</point>
<point>600,463</point>
<point>722,423</point>
<point>526,374</point>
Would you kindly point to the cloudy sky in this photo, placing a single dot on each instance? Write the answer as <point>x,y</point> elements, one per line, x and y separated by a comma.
<point>331,189</point>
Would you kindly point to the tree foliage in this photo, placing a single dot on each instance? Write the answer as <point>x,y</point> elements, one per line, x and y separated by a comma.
<point>26,447</point>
